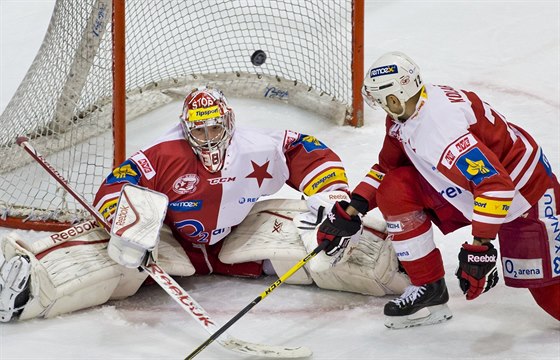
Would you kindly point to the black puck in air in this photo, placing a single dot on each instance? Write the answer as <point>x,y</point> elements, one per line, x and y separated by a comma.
<point>258,58</point>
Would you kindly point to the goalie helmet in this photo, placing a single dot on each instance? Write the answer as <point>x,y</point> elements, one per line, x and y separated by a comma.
<point>392,74</point>
<point>208,124</point>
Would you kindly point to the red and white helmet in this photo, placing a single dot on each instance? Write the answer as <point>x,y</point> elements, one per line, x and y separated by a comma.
<point>208,123</point>
<point>392,74</point>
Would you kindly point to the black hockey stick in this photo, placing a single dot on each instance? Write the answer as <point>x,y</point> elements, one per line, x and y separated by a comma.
<point>264,294</point>
<point>168,284</point>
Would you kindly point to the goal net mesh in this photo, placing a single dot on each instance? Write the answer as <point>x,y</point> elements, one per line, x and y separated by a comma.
<point>64,103</point>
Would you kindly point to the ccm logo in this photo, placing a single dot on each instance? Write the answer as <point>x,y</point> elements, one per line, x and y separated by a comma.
<point>216,181</point>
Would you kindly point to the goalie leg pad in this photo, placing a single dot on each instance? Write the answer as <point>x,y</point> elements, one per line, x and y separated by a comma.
<point>269,235</point>
<point>171,256</point>
<point>74,275</point>
<point>370,269</point>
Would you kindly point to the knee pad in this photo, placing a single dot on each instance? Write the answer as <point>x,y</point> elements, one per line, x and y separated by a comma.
<point>399,192</point>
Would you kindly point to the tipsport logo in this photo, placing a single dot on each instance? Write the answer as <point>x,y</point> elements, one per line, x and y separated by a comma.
<point>383,70</point>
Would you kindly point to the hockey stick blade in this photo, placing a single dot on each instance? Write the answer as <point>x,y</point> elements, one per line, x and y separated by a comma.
<point>168,283</point>
<point>262,295</point>
<point>268,351</point>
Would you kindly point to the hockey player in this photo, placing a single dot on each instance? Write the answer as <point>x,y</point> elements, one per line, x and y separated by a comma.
<point>212,174</point>
<point>450,159</point>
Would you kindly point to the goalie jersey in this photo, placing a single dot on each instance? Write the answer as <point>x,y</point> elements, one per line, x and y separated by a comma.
<point>204,206</point>
<point>489,169</point>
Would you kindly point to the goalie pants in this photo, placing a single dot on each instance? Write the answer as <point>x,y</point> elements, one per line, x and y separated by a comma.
<point>524,242</point>
<point>205,261</point>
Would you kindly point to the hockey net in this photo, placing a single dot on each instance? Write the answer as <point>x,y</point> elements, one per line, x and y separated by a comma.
<point>66,104</point>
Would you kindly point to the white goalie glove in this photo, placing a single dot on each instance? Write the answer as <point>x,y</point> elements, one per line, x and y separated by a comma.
<point>136,226</point>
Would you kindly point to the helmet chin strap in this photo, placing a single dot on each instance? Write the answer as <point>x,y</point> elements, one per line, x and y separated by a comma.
<point>396,116</point>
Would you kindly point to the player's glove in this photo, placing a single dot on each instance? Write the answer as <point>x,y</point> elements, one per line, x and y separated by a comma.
<point>477,272</point>
<point>338,228</point>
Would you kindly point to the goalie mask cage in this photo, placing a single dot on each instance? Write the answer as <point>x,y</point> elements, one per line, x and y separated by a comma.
<point>73,102</point>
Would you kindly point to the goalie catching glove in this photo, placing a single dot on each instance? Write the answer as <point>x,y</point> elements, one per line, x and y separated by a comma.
<point>477,272</point>
<point>136,226</point>
<point>340,229</point>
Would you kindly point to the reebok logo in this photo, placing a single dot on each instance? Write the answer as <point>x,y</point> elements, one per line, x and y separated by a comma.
<point>121,216</point>
<point>337,197</point>
<point>74,230</point>
<point>481,258</point>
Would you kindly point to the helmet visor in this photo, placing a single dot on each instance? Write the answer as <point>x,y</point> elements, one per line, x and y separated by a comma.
<point>207,135</point>
<point>369,99</point>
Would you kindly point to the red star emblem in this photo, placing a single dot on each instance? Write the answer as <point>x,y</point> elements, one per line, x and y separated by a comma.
<point>259,172</point>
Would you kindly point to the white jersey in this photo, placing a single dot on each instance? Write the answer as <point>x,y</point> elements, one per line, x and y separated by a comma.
<point>487,168</point>
<point>203,206</point>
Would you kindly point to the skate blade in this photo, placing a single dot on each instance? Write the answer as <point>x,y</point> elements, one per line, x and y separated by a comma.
<point>427,316</point>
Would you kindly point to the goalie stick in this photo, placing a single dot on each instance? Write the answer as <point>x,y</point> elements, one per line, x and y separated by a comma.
<point>171,286</point>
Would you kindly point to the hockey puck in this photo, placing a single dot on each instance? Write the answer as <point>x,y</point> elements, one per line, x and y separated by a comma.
<point>258,58</point>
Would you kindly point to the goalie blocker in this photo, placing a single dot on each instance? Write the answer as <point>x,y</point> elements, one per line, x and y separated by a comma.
<point>72,270</point>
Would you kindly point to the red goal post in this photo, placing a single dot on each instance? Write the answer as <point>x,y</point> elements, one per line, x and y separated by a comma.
<point>103,63</point>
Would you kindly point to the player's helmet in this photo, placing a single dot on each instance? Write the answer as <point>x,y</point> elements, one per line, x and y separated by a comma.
<point>392,74</point>
<point>208,123</point>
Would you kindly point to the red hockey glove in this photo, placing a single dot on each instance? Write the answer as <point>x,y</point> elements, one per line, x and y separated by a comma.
<point>338,228</point>
<point>477,272</point>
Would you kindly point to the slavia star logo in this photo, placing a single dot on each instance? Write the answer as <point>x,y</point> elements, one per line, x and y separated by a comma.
<point>259,172</point>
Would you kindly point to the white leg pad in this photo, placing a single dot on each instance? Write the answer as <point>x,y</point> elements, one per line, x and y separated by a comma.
<point>171,256</point>
<point>269,234</point>
<point>74,275</point>
<point>371,269</point>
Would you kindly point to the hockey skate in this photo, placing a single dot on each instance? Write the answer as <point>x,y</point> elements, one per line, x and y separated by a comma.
<point>419,305</point>
<point>14,289</point>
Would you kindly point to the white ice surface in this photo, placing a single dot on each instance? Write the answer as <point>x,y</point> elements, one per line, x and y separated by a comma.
<point>507,51</point>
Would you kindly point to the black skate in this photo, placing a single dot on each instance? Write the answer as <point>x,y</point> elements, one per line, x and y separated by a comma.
<point>14,286</point>
<point>419,305</point>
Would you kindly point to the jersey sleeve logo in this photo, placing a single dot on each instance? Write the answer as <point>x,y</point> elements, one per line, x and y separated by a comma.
<point>376,175</point>
<point>127,172</point>
<point>456,149</point>
<point>290,138</point>
<point>475,166</point>
<point>310,143</point>
<point>144,164</point>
